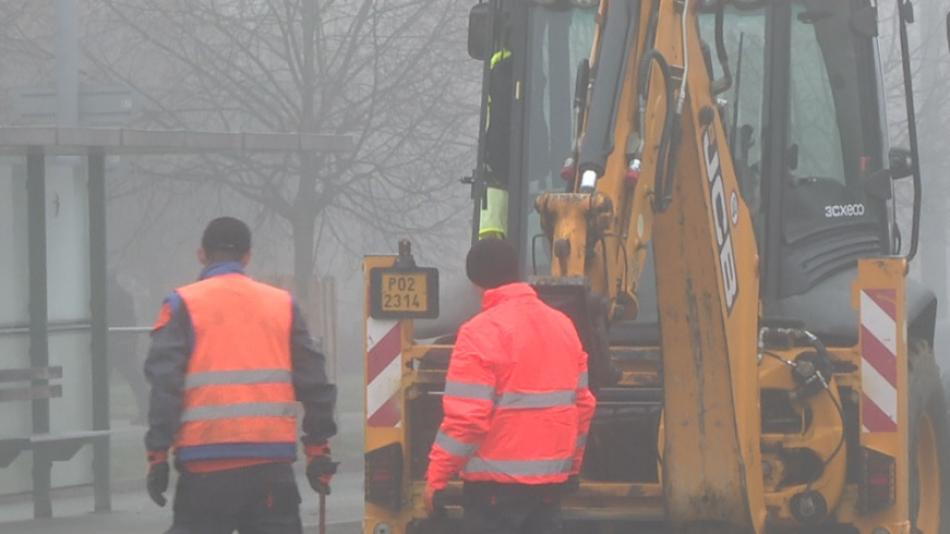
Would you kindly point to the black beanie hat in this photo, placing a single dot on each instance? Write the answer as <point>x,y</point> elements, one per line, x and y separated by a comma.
<point>492,263</point>
<point>226,234</point>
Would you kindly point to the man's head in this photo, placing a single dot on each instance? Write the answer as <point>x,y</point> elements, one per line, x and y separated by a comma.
<point>225,239</point>
<point>492,263</point>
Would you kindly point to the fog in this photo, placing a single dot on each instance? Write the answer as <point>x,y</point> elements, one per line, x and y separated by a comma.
<point>392,78</point>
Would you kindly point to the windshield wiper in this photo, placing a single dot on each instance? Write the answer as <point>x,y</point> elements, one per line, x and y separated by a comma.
<point>735,98</point>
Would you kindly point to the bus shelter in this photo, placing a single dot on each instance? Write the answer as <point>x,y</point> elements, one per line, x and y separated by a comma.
<point>54,408</point>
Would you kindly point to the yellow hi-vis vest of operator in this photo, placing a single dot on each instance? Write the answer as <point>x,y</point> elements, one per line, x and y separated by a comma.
<point>493,218</point>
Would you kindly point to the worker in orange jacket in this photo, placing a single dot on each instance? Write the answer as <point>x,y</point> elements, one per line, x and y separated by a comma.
<point>517,405</point>
<point>229,361</point>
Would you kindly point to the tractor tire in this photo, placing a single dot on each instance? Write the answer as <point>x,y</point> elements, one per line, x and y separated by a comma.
<point>929,444</point>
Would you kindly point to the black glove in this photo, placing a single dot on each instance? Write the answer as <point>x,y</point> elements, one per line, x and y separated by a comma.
<point>320,471</point>
<point>157,482</point>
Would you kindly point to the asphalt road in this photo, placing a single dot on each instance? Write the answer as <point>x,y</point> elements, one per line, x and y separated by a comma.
<point>133,512</point>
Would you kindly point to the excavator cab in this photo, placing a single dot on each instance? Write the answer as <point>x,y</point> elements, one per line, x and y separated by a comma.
<point>530,51</point>
<point>807,135</point>
<point>807,138</point>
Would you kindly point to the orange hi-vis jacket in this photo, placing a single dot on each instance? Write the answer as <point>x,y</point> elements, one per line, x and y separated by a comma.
<point>229,361</point>
<point>516,403</point>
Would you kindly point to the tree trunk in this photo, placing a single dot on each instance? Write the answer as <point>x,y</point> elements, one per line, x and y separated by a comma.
<point>304,229</point>
<point>304,224</point>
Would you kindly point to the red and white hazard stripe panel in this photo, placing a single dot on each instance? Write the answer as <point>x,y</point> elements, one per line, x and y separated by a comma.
<point>383,373</point>
<point>879,360</point>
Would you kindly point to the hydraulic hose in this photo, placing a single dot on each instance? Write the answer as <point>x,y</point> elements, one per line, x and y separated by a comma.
<point>661,181</point>
<point>725,83</point>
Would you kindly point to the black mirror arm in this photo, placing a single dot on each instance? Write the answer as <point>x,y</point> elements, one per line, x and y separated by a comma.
<point>948,30</point>
<point>906,16</point>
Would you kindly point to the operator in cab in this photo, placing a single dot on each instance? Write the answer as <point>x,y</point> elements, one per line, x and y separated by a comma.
<point>493,217</point>
<point>517,406</point>
<point>230,359</point>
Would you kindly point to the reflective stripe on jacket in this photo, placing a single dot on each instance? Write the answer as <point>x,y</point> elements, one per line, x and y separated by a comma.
<point>516,403</point>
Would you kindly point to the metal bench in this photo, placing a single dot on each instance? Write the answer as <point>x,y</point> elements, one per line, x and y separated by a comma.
<point>35,384</point>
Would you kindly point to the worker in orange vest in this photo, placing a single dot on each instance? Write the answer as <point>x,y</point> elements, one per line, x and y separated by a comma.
<point>229,361</point>
<point>516,403</point>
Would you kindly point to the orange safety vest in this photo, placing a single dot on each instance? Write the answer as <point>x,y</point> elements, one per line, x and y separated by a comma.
<point>239,399</point>
<point>516,403</point>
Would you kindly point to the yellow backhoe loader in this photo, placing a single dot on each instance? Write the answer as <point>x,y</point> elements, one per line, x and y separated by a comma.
<point>705,188</point>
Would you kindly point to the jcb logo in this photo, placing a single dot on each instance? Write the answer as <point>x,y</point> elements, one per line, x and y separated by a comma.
<point>717,193</point>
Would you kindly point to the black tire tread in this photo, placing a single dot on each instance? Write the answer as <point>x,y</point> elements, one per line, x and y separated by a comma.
<point>927,395</point>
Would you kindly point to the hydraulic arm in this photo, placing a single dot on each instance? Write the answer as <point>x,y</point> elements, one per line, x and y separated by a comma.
<point>654,165</point>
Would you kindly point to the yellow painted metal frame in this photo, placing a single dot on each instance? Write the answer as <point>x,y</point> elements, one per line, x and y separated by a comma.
<point>378,437</point>
<point>890,273</point>
<point>822,436</point>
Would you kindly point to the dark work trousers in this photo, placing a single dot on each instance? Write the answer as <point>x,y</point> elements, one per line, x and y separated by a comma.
<point>492,508</point>
<point>260,499</point>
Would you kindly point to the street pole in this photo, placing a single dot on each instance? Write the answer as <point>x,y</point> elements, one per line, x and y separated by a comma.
<point>67,64</point>
<point>67,114</point>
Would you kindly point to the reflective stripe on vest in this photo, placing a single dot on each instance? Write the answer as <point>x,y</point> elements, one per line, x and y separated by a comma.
<point>547,399</point>
<point>454,446</point>
<point>519,467</point>
<point>582,380</point>
<point>255,376</point>
<point>222,451</point>
<point>251,409</point>
<point>581,441</point>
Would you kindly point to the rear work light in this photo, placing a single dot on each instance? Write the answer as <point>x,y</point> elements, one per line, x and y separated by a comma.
<point>878,476</point>
<point>383,478</point>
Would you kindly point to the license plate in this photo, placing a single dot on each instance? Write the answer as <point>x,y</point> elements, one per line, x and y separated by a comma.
<point>404,294</point>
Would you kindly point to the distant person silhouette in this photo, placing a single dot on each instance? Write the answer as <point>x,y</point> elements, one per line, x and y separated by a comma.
<point>123,353</point>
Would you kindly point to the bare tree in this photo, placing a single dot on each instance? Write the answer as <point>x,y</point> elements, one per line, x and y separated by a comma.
<point>391,73</point>
<point>25,27</point>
